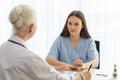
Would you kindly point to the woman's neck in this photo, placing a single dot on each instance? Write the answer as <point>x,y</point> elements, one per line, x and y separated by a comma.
<point>74,38</point>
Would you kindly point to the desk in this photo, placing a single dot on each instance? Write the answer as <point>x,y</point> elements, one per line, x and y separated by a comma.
<point>99,75</point>
<point>103,75</point>
<point>96,74</point>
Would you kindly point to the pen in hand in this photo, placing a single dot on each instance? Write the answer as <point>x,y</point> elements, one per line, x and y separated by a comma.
<point>89,67</point>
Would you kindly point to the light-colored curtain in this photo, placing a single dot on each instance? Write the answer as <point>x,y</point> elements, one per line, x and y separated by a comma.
<point>104,26</point>
<point>51,16</point>
<point>102,19</point>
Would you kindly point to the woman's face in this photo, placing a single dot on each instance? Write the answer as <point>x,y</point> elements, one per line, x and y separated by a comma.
<point>74,26</point>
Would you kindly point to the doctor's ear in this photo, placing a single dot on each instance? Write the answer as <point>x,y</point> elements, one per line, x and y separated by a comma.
<point>31,28</point>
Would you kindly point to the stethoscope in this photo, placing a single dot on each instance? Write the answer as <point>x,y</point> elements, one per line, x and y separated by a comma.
<point>16,43</point>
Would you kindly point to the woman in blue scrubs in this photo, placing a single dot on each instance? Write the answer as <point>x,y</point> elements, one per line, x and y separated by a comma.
<point>74,47</point>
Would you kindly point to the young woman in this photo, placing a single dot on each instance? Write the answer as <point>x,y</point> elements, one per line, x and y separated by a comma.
<point>74,47</point>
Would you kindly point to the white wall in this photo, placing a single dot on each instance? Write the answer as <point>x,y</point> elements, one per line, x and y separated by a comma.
<point>104,20</point>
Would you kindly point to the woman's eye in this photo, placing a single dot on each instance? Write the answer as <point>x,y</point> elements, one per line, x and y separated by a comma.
<point>76,24</point>
<point>70,23</point>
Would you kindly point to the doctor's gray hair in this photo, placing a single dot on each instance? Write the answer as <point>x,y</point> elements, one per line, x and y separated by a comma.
<point>21,17</point>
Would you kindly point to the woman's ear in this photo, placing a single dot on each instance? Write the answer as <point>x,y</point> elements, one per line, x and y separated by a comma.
<point>82,27</point>
<point>31,28</point>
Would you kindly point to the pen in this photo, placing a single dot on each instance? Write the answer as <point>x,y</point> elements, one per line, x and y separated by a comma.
<point>90,67</point>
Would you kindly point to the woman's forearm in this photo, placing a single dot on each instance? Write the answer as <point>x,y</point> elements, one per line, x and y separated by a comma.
<point>94,63</point>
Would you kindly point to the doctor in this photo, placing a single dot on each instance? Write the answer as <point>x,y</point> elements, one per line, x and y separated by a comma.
<point>19,63</point>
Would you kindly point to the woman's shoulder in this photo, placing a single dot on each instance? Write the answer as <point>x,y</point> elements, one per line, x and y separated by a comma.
<point>57,40</point>
<point>61,38</point>
<point>88,40</point>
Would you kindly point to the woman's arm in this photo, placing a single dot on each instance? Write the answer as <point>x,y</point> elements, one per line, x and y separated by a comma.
<point>94,63</point>
<point>93,55</point>
<point>81,66</point>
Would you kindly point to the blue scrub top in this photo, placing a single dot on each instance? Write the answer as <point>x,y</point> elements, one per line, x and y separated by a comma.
<point>63,50</point>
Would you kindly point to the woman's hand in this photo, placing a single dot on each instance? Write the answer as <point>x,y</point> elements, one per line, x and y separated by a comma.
<point>77,63</point>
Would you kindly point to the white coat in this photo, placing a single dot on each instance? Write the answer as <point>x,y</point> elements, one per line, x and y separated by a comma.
<point>19,63</point>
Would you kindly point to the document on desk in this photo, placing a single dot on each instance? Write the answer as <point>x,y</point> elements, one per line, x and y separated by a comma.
<point>99,75</point>
<point>99,78</point>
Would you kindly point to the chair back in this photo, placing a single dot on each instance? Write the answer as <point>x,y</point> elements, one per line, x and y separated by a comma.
<point>98,49</point>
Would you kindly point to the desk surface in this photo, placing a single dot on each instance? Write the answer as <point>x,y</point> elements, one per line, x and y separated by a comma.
<point>96,74</point>
<point>101,75</point>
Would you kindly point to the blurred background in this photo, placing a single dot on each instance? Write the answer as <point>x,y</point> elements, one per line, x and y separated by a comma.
<point>103,21</point>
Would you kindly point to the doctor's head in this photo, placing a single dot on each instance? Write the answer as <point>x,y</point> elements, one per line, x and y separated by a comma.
<point>23,20</point>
